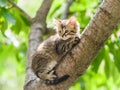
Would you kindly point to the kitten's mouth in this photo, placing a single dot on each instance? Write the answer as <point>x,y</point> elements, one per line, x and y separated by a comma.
<point>68,37</point>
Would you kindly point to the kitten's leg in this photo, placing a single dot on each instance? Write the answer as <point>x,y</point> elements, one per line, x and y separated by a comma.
<point>45,70</point>
<point>48,73</point>
<point>75,41</point>
<point>57,80</point>
<point>45,76</point>
<point>62,47</point>
<point>71,44</point>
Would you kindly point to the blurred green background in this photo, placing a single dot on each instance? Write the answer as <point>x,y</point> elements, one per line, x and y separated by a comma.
<point>104,72</point>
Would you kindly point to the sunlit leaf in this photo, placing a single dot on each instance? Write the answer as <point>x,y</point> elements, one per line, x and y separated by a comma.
<point>107,61</point>
<point>21,22</point>
<point>15,1</point>
<point>96,63</point>
<point>115,50</point>
<point>56,8</point>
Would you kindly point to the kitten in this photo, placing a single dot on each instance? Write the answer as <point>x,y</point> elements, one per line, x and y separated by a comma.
<point>51,52</point>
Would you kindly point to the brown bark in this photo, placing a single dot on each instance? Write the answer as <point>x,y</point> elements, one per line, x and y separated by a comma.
<point>38,27</point>
<point>92,39</point>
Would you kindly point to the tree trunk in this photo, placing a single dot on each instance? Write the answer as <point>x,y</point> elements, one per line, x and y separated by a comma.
<point>75,63</point>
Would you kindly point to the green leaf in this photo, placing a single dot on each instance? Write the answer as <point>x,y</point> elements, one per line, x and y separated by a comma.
<point>107,69</point>
<point>3,25</point>
<point>3,3</point>
<point>107,61</point>
<point>55,8</point>
<point>119,40</point>
<point>26,22</point>
<point>8,16</point>
<point>96,63</point>
<point>15,1</point>
<point>21,23</point>
<point>115,50</point>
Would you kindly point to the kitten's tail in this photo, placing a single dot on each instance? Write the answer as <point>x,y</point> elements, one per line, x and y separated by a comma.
<point>57,80</point>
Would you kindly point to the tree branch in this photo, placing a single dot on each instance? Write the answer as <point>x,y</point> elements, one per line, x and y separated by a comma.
<point>66,9</point>
<point>93,38</point>
<point>42,14</point>
<point>21,10</point>
<point>37,29</point>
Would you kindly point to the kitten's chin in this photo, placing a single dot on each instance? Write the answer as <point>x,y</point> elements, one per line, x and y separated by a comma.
<point>64,38</point>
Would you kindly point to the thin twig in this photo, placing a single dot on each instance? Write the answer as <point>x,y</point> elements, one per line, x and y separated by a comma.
<point>21,10</point>
<point>66,10</point>
<point>42,13</point>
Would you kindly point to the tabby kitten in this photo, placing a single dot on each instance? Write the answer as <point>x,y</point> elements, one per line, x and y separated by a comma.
<point>51,52</point>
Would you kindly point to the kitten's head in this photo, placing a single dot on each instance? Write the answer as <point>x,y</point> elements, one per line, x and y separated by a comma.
<point>67,28</point>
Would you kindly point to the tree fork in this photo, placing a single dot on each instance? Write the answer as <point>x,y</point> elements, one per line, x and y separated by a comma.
<point>92,39</point>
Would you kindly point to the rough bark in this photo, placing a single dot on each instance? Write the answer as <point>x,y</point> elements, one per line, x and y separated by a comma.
<point>93,38</point>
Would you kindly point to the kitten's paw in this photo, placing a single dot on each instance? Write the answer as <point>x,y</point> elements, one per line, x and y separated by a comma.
<point>57,80</point>
<point>77,39</point>
<point>51,75</point>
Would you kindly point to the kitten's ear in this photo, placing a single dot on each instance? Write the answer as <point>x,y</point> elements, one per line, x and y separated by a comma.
<point>73,20</point>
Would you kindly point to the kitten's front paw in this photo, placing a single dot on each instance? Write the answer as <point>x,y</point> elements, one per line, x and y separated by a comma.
<point>57,80</point>
<point>47,75</point>
<point>77,39</point>
<point>51,75</point>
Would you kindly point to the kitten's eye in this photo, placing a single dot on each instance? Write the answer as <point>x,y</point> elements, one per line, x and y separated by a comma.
<point>73,31</point>
<point>66,31</point>
<point>59,31</point>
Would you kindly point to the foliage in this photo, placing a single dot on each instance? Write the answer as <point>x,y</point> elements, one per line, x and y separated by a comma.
<point>14,29</point>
